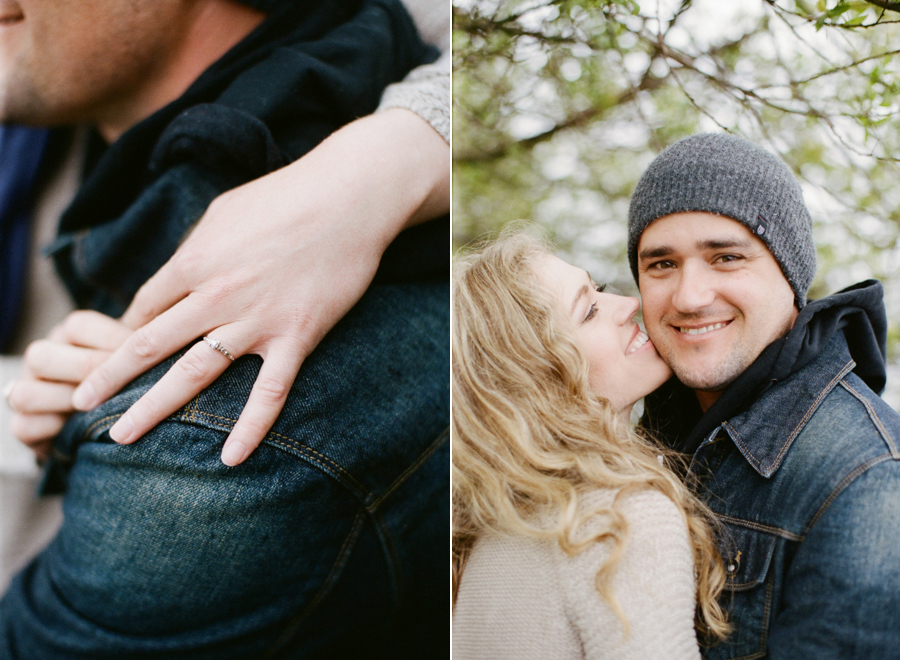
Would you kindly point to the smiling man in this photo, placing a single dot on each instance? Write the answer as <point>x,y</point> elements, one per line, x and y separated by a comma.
<point>775,402</point>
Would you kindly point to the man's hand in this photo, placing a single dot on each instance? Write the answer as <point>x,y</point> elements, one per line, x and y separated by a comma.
<point>42,397</point>
<point>271,267</point>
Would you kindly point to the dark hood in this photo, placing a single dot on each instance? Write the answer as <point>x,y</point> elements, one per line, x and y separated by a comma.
<point>673,415</point>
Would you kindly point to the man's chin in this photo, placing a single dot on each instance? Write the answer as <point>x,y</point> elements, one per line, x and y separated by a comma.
<point>704,382</point>
<point>18,106</point>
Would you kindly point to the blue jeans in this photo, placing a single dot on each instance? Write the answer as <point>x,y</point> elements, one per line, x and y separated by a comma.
<point>329,541</point>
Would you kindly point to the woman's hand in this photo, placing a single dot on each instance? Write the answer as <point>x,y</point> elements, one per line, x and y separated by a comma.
<point>42,398</point>
<point>271,267</point>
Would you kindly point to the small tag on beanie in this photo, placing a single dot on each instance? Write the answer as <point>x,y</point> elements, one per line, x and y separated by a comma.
<point>762,225</point>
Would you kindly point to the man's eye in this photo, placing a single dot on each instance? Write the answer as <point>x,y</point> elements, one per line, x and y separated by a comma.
<point>665,264</point>
<point>591,312</point>
<point>728,258</point>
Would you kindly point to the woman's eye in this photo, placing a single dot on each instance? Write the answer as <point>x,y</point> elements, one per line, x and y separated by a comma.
<point>591,312</point>
<point>600,288</point>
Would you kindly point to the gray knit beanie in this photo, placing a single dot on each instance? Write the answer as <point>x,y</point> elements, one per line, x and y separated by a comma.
<point>727,175</point>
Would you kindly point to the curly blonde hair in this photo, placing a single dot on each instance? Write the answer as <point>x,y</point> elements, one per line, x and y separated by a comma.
<point>530,438</point>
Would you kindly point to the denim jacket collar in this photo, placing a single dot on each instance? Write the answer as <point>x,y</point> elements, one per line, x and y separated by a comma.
<point>764,433</point>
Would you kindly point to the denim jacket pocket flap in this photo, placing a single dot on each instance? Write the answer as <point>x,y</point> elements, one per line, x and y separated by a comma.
<point>747,554</point>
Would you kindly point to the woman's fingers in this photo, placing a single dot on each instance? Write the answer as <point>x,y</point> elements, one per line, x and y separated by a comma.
<point>42,397</point>
<point>36,429</point>
<point>197,369</point>
<point>38,396</point>
<point>157,295</point>
<point>194,371</point>
<point>50,360</point>
<point>266,400</point>
<point>144,348</point>
<point>91,330</point>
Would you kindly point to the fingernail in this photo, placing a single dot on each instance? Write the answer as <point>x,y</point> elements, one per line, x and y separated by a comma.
<point>233,453</point>
<point>7,390</point>
<point>83,397</point>
<point>121,431</point>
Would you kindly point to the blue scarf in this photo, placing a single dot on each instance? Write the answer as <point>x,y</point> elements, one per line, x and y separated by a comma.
<point>21,152</point>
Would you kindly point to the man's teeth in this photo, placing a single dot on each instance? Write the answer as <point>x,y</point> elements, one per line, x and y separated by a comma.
<point>700,331</point>
<point>637,342</point>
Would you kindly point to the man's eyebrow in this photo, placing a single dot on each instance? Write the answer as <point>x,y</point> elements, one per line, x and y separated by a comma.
<point>724,244</point>
<point>655,252</point>
<point>711,244</point>
<point>582,291</point>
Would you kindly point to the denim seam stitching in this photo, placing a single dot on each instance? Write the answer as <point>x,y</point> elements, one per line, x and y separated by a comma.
<point>809,413</point>
<point>390,552</point>
<point>424,456</point>
<point>874,417</point>
<point>100,422</point>
<point>767,613</point>
<point>742,586</point>
<point>815,406</point>
<point>759,527</point>
<point>389,545</point>
<point>324,590</point>
<point>90,429</point>
<point>304,449</point>
<point>300,447</point>
<point>752,656</point>
<point>747,453</point>
<point>309,450</point>
<point>191,418</point>
<point>195,407</point>
<point>348,542</point>
<point>846,481</point>
<point>764,633</point>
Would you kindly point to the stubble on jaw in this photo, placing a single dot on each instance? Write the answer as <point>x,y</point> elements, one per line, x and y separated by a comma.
<point>31,95</point>
<point>715,378</point>
<point>20,103</point>
<point>72,62</point>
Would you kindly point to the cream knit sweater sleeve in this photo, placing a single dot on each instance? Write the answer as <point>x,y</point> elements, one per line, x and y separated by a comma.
<point>426,89</point>
<point>522,598</point>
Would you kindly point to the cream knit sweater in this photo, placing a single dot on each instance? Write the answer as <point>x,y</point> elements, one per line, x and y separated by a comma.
<point>524,599</point>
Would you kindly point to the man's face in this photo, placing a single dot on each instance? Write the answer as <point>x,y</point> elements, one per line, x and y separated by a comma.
<point>714,297</point>
<point>67,61</point>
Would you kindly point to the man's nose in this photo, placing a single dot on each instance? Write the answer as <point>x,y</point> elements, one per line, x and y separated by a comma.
<point>694,290</point>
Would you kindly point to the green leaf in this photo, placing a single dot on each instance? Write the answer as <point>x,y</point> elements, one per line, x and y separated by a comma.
<point>837,10</point>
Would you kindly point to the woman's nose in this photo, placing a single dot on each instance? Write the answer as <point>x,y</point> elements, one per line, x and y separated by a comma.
<point>627,308</point>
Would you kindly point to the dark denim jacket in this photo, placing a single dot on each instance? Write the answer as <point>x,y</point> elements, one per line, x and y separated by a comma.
<point>807,485</point>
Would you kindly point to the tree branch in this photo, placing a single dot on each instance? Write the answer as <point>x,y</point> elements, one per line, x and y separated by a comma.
<point>886,4</point>
<point>577,120</point>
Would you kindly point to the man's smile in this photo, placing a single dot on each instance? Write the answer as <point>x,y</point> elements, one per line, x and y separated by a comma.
<point>700,330</point>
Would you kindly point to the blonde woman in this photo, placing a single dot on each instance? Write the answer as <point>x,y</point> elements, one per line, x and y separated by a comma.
<point>571,538</point>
